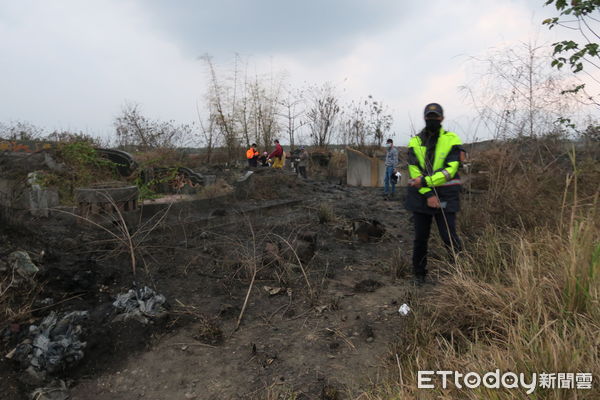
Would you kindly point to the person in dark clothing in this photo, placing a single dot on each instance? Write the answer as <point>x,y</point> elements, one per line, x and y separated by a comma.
<point>434,156</point>
<point>264,160</point>
<point>303,162</point>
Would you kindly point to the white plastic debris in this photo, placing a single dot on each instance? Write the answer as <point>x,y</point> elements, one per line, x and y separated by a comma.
<point>404,310</point>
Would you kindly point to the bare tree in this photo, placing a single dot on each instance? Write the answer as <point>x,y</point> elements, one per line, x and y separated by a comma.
<point>354,130</point>
<point>207,134</point>
<point>380,121</point>
<point>20,130</point>
<point>134,129</point>
<point>265,97</point>
<point>322,114</point>
<point>517,94</point>
<point>222,107</point>
<point>293,109</point>
<point>365,123</point>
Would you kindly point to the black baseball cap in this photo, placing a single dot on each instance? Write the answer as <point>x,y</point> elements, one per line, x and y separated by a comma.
<point>433,108</point>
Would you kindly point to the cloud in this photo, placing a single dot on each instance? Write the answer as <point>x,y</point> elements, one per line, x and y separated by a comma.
<point>313,28</point>
<point>69,64</point>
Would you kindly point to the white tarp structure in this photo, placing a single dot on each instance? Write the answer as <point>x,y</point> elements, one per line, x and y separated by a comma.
<point>364,170</point>
<point>370,171</point>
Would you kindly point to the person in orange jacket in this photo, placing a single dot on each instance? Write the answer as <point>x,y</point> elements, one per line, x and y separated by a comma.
<point>252,156</point>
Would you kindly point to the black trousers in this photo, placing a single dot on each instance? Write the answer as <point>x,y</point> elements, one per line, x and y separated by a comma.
<point>253,162</point>
<point>446,224</point>
<point>302,171</point>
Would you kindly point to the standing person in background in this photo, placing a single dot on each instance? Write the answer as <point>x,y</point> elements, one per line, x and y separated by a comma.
<point>303,163</point>
<point>391,163</point>
<point>434,156</point>
<point>252,156</point>
<point>277,155</point>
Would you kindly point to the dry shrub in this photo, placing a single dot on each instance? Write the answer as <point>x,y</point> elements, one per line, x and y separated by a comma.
<point>525,295</point>
<point>325,213</point>
<point>159,158</point>
<point>525,183</point>
<point>218,189</point>
<point>16,298</point>
<point>399,264</point>
<point>538,313</point>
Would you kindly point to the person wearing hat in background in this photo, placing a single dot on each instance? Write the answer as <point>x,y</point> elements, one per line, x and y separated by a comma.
<point>391,164</point>
<point>434,156</point>
<point>303,162</point>
<point>252,156</point>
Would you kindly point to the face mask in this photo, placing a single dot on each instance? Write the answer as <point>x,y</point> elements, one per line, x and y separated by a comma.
<point>433,125</point>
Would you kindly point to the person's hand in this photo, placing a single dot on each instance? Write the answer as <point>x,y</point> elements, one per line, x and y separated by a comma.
<point>416,183</point>
<point>433,202</point>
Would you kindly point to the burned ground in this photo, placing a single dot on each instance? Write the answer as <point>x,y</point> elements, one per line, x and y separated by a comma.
<point>321,314</point>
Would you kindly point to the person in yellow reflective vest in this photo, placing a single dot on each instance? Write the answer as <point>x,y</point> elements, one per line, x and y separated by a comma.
<point>252,156</point>
<point>434,157</point>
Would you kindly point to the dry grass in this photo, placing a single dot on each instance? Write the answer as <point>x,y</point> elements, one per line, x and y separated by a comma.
<point>220,188</point>
<point>525,297</point>
<point>325,213</point>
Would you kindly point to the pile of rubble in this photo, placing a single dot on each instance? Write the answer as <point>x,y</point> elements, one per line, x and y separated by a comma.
<point>139,304</point>
<point>51,346</point>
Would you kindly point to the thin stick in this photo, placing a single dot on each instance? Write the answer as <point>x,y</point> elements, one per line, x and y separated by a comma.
<point>255,269</point>
<point>193,344</point>
<point>400,372</point>
<point>239,321</point>
<point>57,303</point>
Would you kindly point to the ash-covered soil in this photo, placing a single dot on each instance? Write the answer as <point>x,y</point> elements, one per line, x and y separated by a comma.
<point>330,272</point>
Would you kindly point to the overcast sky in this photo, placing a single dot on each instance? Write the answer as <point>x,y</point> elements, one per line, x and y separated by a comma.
<point>72,64</point>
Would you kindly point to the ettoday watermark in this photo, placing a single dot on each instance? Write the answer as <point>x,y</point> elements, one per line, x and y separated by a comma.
<point>505,380</point>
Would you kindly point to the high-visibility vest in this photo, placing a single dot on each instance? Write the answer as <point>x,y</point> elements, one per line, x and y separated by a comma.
<point>251,153</point>
<point>444,168</point>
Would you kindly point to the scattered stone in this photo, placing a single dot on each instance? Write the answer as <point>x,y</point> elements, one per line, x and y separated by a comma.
<point>320,309</point>
<point>21,263</point>
<point>273,290</point>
